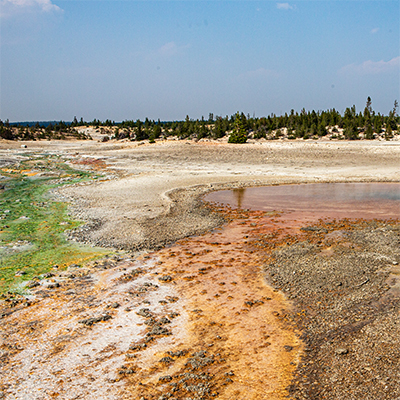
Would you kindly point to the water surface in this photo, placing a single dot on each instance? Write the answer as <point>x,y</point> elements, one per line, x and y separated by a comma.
<point>331,200</point>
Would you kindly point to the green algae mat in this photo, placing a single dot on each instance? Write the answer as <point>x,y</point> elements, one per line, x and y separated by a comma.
<point>32,224</point>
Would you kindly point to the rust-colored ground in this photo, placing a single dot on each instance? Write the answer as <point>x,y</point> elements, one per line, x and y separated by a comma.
<point>232,315</point>
<point>194,320</point>
<point>223,329</point>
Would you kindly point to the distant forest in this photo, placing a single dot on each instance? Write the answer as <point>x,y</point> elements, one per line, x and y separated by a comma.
<point>238,127</point>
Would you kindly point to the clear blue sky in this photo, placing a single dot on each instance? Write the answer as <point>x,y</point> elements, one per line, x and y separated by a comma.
<point>168,59</point>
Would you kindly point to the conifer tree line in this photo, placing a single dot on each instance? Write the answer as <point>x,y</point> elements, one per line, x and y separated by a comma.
<point>239,127</point>
<point>50,131</point>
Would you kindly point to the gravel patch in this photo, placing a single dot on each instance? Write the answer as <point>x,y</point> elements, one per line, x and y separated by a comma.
<point>347,304</point>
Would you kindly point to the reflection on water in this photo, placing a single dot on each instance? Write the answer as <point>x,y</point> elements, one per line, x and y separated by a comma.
<point>239,195</point>
<point>339,200</point>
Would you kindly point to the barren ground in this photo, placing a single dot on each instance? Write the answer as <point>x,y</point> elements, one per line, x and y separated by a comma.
<point>220,315</point>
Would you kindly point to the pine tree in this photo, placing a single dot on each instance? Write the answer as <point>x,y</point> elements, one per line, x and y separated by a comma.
<point>368,105</point>
<point>389,132</point>
<point>239,134</point>
<point>218,131</point>
<point>139,130</point>
<point>322,128</point>
<point>368,132</point>
<point>395,107</point>
<point>156,131</point>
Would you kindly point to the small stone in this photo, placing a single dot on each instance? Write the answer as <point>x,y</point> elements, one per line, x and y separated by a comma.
<point>172,299</point>
<point>158,331</point>
<point>165,278</point>
<point>32,284</point>
<point>288,348</point>
<point>94,320</point>
<point>129,371</point>
<point>341,351</point>
<point>167,378</point>
<point>138,346</point>
<point>167,360</point>
<point>20,273</point>
<point>164,320</point>
<point>144,312</point>
<point>126,371</point>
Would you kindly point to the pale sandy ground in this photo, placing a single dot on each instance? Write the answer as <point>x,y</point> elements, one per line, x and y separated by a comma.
<point>150,179</point>
<point>144,177</point>
<point>148,197</point>
<point>153,176</point>
<point>132,208</point>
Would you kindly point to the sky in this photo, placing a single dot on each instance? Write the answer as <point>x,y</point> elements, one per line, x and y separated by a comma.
<point>127,60</point>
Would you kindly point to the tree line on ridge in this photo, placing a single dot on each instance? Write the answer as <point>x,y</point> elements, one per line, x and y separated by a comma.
<point>239,127</point>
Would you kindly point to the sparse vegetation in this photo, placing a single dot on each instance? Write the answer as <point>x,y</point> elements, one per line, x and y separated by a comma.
<point>50,131</point>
